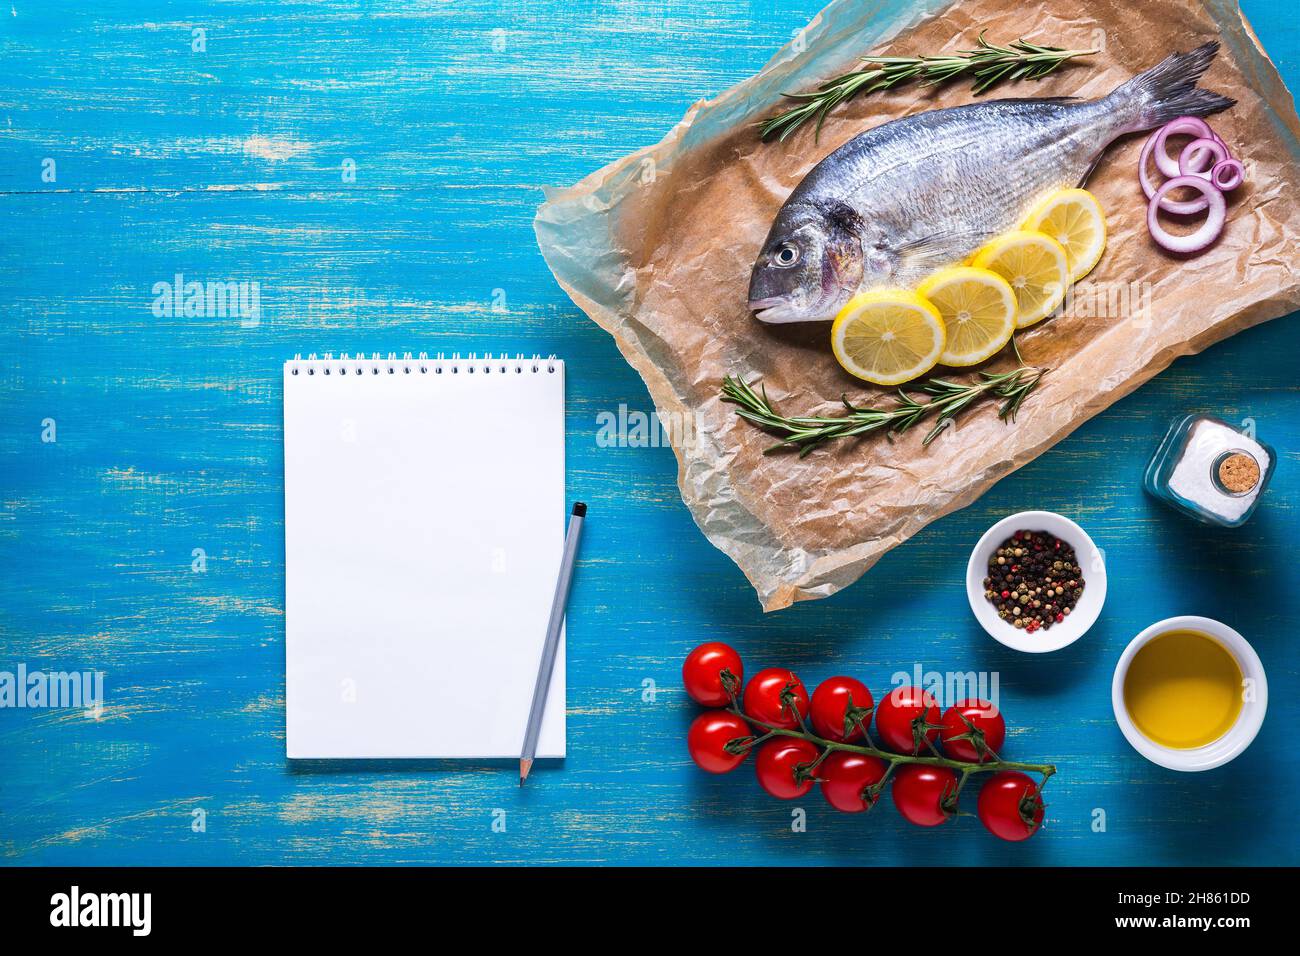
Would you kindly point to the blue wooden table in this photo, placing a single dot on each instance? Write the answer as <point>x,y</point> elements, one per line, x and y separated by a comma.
<point>375,168</point>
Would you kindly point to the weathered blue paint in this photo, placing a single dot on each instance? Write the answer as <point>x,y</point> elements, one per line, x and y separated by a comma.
<point>228,164</point>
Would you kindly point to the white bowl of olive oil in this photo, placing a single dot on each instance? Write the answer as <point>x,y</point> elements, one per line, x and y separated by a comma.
<point>1189,693</point>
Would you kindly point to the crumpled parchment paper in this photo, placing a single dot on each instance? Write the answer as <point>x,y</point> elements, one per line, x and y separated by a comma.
<point>657,249</point>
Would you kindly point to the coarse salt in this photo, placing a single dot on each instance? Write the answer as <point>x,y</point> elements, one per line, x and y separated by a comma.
<point>1198,478</point>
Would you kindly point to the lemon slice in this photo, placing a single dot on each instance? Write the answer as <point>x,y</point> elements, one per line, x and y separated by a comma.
<point>978,308</point>
<point>1035,265</point>
<point>888,336</point>
<point>1072,217</point>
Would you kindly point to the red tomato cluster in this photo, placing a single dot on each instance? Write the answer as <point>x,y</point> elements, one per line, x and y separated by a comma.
<point>907,721</point>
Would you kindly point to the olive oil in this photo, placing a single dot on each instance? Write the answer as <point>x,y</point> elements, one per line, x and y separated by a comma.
<point>1183,690</point>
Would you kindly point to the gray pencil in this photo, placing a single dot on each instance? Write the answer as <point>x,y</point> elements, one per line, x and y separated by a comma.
<point>552,641</point>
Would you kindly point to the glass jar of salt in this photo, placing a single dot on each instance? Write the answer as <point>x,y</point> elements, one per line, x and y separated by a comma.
<point>1210,470</point>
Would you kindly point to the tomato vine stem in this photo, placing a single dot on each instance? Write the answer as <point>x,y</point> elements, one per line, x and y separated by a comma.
<point>869,748</point>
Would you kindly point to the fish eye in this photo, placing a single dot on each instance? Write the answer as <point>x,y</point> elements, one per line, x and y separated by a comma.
<point>787,254</point>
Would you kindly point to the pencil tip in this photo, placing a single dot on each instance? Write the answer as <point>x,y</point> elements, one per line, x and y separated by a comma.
<point>524,767</point>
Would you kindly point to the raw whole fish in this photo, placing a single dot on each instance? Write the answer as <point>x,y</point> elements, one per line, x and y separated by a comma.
<point>913,195</point>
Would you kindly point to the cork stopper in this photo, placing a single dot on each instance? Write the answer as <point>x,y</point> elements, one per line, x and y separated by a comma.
<point>1238,473</point>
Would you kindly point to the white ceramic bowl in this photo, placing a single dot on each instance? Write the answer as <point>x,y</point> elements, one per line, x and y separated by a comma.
<point>1230,744</point>
<point>1083,615</point>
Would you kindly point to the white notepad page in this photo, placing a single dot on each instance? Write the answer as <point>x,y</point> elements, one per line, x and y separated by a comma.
<point>424,523</point>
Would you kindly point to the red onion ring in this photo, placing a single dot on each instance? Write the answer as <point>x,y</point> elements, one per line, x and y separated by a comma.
<point>1175,206</point>
<point>1209,230</point>
<point>1227,174</point>
<point>1187,125</point>
<point>1194,162</point>
<point>1147,186</point>
<point>1197,149</point>
<point>1219,139</point>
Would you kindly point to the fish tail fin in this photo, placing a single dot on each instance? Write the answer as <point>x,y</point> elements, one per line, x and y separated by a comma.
<point>1168,90</point>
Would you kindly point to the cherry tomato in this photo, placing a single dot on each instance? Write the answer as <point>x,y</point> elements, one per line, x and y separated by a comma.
<point>989,728</point>
<point>925,795</point>
<point>1010,806</point>
<point>895,716</point>
<point>707,740</point>
<point>702,673</point>
<point>776,763</point>
<point>831,700</point>
<point>845,775</point>
<point>763,697</point>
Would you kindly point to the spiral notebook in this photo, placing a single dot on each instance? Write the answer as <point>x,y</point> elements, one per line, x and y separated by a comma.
<point>424,523</point>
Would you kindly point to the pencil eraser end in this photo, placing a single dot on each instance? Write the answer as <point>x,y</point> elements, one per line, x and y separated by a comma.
<point>580,510</point>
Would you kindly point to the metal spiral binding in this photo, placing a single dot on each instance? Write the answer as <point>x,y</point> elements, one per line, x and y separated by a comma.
<point>420,364</point>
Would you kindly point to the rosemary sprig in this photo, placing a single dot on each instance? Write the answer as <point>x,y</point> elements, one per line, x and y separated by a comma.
<point>946,400</point>
<point>987,64</point>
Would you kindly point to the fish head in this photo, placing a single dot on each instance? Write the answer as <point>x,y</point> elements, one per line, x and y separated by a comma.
<point>810,264</point>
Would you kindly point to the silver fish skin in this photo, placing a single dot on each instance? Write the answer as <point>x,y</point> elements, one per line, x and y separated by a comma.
<point>917,194</point>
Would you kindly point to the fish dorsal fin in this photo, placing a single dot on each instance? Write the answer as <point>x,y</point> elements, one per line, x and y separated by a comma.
<point>1056,100</point>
